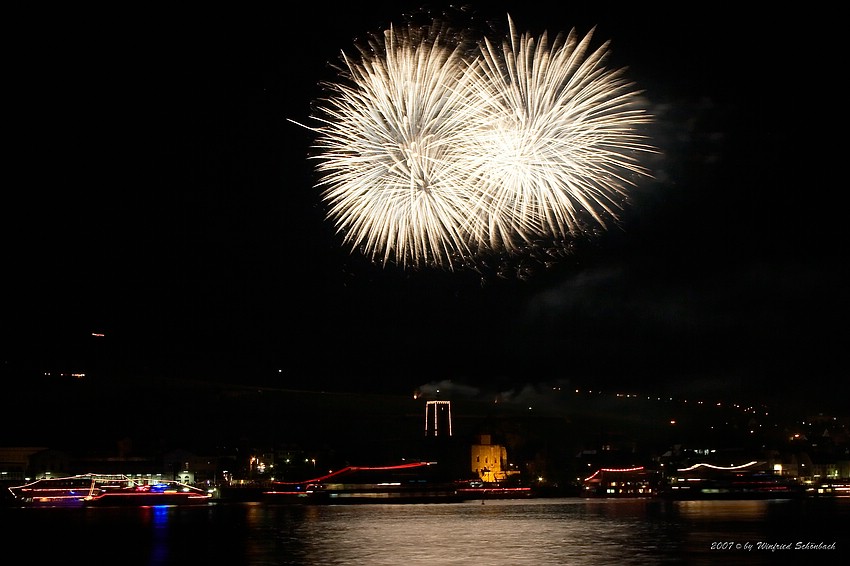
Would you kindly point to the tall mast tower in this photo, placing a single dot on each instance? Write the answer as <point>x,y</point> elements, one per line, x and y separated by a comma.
<point>438,418</point>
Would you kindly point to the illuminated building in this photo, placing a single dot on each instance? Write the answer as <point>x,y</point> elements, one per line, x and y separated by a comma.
<point>490,461</point>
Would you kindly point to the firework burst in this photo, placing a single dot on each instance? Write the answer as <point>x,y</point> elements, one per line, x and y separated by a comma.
<point>437,151</point>
<point>552,142</point>
<point>384,148</point>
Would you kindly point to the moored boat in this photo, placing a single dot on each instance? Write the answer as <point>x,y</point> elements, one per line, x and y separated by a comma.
<point>416,482</point>
<point>477,489</point>
<point>745,481</point>
<point>105,490</point>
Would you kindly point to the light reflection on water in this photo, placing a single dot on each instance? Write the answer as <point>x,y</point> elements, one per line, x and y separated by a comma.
<point>521,533</point>
<point>621,532</point>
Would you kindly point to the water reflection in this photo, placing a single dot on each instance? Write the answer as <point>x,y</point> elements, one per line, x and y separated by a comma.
<point>723,510</point>
<point>550,532</point>
<point>543,531</point>
<point>159,541</point>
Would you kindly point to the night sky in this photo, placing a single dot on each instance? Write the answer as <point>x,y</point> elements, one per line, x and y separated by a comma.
<point>161,195</point>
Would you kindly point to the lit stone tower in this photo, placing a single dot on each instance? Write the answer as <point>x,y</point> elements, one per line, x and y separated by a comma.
<point>438,418</point>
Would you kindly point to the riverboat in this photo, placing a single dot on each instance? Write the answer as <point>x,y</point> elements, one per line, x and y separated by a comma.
<point>476,489</point>
<point>415,482</point>
<point>745,481</point>
<point>106,490</point>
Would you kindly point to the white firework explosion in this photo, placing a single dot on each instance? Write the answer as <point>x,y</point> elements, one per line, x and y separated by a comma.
<point>431,153</point>
<point>552,143</point>
<point>383,144</point>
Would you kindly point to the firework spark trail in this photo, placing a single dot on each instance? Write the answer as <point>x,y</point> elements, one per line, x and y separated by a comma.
<point>434,154</point>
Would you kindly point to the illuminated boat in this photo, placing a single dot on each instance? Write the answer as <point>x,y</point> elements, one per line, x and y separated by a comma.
<point>415,482</point>
<point>829,488</point>
<point>106,490</point>
<point>633,481</point>
<point>476,489</point>
<point>744,481</point>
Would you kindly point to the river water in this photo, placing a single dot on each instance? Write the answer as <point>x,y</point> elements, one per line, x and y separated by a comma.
<point>536,532</point>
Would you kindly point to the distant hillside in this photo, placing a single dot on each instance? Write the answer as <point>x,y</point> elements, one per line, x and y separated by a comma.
<point>157,414</point>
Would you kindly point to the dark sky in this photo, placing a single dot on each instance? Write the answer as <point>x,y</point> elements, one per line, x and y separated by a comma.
<point>161,195</point>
